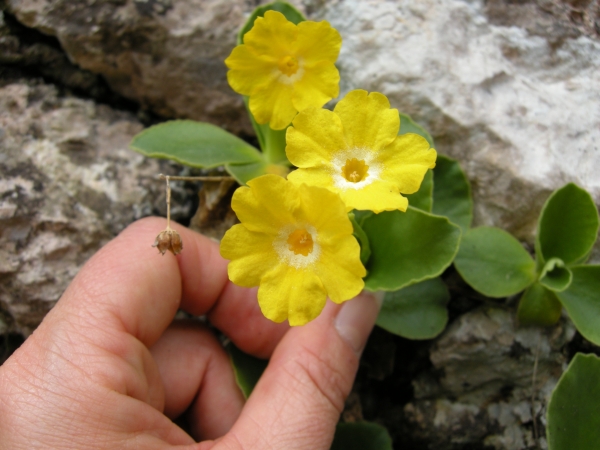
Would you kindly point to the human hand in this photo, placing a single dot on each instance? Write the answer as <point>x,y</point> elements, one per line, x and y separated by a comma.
<point>107,368</point>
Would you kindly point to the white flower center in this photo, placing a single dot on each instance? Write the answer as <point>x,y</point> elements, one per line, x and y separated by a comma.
<point>297,245</point>
<point>355,168</point>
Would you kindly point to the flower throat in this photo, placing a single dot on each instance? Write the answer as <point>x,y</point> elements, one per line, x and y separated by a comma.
<point>355,170</point>
<point>300,242</point>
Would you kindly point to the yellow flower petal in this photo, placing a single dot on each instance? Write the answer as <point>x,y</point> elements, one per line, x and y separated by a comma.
<point>316,42</point>
<point>291,240</point>
<point>315,133</point>
<point>273,104</point>
<point>249,70</point>
<point>272,35</point>
<point>342,276</point>
<point>252,255</point>
<point>378,196</point>
<point>368,120</point>
<point>266,205</point>
<point>293,294</point>
<point>317,86</point>
<point>406,160</point>
<point>285,68</point>
<point>326,211</point>
<point>314,176</point>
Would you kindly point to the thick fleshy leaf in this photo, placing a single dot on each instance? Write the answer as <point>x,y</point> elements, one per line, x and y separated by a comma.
<point>423,198</point>
<point>555,276</point>
<point>568,225</point>
<point>247,368</point>
<point>494,263</point>
<point>407,125</point>
<point>538,306</point>
<point>408,247</point>
<point>290,13</point>
<point>574,408</point>
<point>361,436</point>
<point>417,311</point>
<point>452,193</point>
<point>195,144</point>
<point>582,301</point>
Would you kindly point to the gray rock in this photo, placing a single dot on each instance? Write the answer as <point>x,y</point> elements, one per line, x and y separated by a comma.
<point>510,89</point>
<point>483,388</point>
<point>69,184</point>
<point>166,55</point>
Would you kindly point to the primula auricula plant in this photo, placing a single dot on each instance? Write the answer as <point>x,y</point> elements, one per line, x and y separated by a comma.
<point>362,207</point>
<point>332,227</point>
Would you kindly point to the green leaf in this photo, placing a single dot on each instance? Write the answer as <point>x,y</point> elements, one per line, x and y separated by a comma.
<point>582,301</point>
<point>361,216</point>
<point>247,369</point>
<point>452,192</point>
<point>407,125</point>
<point>574,408</point>
<point>362,238</point>
<point>361,436</point>
<point>195,144</point>
<point>290,13</point>
<point>417,311</point>
<point>245,172</point>
<point>568,225</point>
<point>408,247</point>
<point>494,263</point>
<point>538,306</point>
<point>423,198</point>
<point>555,276</point>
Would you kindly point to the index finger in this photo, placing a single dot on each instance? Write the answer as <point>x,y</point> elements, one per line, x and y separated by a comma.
<point>129,285</point>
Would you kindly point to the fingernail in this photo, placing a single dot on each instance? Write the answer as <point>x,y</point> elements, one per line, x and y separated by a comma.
<point>355,320</point>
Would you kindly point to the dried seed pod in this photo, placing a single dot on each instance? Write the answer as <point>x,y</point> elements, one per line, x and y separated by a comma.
<point>168,240</point>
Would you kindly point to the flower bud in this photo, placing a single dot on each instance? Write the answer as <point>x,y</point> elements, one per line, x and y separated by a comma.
<point>168,240</point>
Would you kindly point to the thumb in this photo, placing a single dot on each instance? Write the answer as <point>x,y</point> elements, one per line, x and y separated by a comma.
<point>298,400</point>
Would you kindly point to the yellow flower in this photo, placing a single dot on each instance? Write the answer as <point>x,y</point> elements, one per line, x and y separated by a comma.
<point>356,151</point>
<point>285,68</point>
<point>296,244</point>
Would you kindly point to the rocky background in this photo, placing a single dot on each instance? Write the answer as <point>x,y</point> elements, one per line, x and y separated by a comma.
<point>510,88</point>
